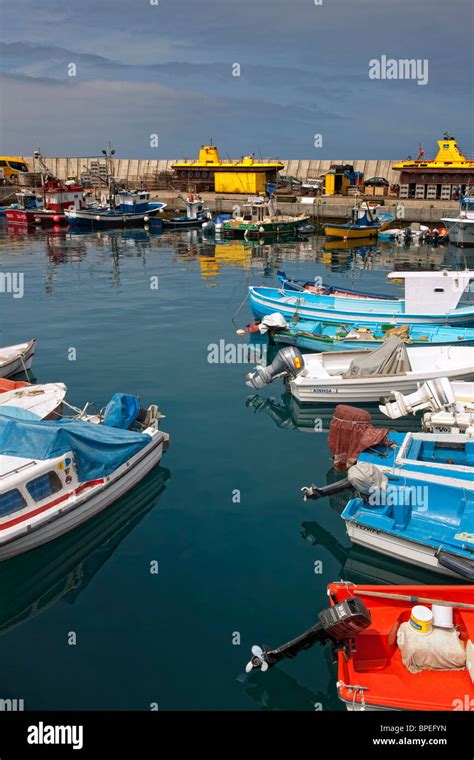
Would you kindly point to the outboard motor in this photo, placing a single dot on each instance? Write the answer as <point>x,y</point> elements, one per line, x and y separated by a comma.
<point>337,626</point>
<point>434,395</point>
<point>287,362</point>
<point>408,237</point>
<point>363,478</point>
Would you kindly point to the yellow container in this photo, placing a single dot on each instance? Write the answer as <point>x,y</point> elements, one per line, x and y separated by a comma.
<point>421,619</point>
<point>239,182</point>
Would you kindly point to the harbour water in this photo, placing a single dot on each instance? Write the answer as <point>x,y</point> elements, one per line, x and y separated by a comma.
<point>241,558</point>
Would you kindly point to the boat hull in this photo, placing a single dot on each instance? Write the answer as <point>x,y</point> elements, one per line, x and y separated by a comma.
<point>263,229</point>
<point>336,390</point>
<point>292,306</point>
<point>100,220</point>
<point>20,363</point>
<point>460,231</point>
<point>35,218</point>
<point>396,548</point>
<point>312,343</point>
<point>130,474</point>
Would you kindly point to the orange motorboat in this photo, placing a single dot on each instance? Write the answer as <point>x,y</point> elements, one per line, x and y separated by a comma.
<point>374,675</point>
<point>396,647</point>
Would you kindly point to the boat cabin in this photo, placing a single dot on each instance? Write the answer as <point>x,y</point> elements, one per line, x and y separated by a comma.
<point>28,487</point>
<point>132,202</point>
<point>431,293</point>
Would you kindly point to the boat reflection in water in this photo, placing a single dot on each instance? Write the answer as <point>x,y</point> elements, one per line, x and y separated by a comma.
<point>287,413</point>
<point>32,582</point>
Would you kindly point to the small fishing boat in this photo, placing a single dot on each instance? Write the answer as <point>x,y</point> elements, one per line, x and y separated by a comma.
<point>45,207</point>
<point>24,401</point>
<point>461,228</point>
<point>363,376</point>
<point>430,298</point>
<point>330,336</point>
<point>387,657</point>
<point>261,218</point>
<point>366,222</point>
<point>448,407</point>
<point>434,458</point>
<point>17,358</point>
<point>123,209</point>
<point>427,521</point>
<point>196,215</point>
<point>56,475</point>
<point>214,226</point>
<point>405,235</point>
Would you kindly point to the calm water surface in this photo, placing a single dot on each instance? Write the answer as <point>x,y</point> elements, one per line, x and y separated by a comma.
<point>228,570</point>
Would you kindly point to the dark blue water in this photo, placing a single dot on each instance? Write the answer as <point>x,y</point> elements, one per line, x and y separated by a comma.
<point>236,545</point>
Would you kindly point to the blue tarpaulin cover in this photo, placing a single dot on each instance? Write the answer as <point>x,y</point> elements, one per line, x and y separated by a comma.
<point>121,411</point>
<point>98,450</point>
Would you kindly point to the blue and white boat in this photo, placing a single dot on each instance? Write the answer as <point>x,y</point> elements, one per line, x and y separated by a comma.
<point>434,458</point>
<point>214,226</point>
<point>431,527</point>
<point>331,336</point>
<point>125,209</point>
<point>196,215</point>
<point>430,298</point>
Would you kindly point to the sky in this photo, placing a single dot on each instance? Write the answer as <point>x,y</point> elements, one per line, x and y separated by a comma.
<point>166,68</point>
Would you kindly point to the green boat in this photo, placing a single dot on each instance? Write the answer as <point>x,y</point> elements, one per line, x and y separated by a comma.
<point>261,218</point>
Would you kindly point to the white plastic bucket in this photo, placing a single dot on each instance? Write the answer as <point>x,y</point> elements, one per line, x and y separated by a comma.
<point>442,616</point>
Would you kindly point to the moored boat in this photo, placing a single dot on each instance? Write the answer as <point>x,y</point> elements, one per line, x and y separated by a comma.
<point>363,376</point>
<point>461,228</point>
<point>366,222</point>
<point>330,336</point>
<point>24,401</point>
<point>17,358</point>
<point>261,218</point>
<point>196,215</point>
<point>56,475</point>
<point>125,209</point>
<point>385,659</point>
<point>430,298</point>
<point>47,207</point>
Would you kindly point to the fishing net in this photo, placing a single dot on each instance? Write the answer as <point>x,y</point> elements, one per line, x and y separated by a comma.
<point>351,432</point>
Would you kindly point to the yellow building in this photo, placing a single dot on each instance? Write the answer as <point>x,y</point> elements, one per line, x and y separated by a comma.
<point>444,177</point>
<point>210,173</point>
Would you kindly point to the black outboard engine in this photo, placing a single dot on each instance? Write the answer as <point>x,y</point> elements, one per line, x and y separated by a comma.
<point>287,362</point>
<point>337,626</point>
<point>407,237</point>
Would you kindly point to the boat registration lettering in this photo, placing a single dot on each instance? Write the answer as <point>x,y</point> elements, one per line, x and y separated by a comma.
<point>325,390</point>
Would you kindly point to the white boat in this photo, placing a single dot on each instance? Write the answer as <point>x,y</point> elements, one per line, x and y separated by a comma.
<point>448,406</point>
<point>363,376</point>
<point>54,476</point>
<point>17,358</point>
<point>43,401</point>
<point>461,228</point>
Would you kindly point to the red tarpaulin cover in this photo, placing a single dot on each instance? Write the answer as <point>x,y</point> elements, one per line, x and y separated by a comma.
<point>350,432</point>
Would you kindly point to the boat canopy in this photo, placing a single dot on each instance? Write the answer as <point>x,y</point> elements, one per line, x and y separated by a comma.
<point>98,449</point>
<point>390,359</point>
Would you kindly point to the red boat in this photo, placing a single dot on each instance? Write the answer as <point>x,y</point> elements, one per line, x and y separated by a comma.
<point>373,677</point>
<point>45,208</point>
<point>396,647</point>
